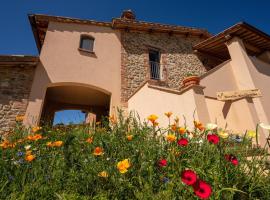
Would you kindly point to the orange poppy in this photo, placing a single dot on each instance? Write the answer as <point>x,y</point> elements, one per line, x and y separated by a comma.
<point>98,151</point>
<point>89,140</point>
<point>30,157</point>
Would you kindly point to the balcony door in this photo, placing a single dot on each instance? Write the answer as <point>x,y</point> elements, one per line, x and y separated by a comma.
<point>154,61</point>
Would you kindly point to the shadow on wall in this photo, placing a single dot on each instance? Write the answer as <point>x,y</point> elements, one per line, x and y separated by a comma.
<point>226,108</point>
<point>37,94</point>
<point>261,66</point>
<point>82,29</point>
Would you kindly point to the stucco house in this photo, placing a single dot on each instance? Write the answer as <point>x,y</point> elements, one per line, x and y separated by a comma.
<point>135,65</point>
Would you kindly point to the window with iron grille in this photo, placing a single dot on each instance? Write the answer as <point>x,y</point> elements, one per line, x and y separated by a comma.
<point>154,62</point>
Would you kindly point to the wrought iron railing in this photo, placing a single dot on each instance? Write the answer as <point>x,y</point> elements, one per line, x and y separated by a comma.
<point>155,70</point>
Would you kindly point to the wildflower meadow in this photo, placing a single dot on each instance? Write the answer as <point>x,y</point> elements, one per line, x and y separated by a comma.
<point>125,158</point>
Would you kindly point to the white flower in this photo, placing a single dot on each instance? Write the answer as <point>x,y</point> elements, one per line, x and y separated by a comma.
<point>211,126</point>
<point>265,126</point>
<point>27,147</point>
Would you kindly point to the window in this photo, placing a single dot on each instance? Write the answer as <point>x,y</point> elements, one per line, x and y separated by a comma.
<point>154,61</point>
<point>87,43</point>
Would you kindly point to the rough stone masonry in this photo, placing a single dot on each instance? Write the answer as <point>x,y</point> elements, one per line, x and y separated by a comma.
<point>177,58</point>
<point>15,86</point>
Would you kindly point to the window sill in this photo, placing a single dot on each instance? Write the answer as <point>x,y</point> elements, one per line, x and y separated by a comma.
<point>86,51</point>
<point>157,82</point>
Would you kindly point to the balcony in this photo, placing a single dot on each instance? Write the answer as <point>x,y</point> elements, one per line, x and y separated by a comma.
<point>155,70</point>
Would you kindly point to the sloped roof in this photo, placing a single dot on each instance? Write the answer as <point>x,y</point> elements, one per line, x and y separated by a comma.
<point>39,24</point>
<point>255,40</point>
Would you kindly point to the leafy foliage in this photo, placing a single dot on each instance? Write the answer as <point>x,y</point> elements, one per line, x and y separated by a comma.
<point>71,170</point>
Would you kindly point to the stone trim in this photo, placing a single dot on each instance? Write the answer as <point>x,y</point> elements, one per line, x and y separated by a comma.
<point>164,89</point>
<point>123,74</point>
<point>18,60</point>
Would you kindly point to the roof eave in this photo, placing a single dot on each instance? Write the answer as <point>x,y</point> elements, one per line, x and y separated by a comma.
<point>118,23</point>
<point>230,31</point>
<point>32,21</point>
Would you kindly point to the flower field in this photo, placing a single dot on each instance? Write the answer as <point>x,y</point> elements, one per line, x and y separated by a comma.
<point>128,159</point>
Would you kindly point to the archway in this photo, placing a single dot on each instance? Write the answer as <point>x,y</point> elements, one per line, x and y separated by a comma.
<point>90,100</point>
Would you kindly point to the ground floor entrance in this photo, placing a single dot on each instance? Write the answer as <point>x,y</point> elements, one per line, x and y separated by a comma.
<point>92,102</point>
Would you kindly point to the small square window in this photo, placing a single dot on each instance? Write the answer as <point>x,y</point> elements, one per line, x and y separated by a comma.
<point>87,43</point>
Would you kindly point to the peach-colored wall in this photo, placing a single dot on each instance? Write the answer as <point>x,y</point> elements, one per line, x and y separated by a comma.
<point>62,62</point>
<point>241,65</point>
<point>260,73</point>
<point>218,79</point>
<point>228,114</point>
<point>153,101</point>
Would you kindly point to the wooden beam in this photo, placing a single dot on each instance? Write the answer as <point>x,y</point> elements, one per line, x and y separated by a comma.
<point>252,48</point>
<point>221,58</point>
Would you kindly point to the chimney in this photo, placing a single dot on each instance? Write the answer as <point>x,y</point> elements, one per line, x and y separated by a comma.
<point>128,14</point>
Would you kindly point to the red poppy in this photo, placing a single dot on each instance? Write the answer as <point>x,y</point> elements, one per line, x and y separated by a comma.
<point>182,142</point>
<point>231,158</point>
<point>162,163</point>
<point>189,177</point>
<point>202,189</point>
<point>213,138</point>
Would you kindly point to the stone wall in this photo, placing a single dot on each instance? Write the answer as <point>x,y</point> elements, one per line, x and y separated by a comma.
<point>15,86</point>
<point>177,58</point>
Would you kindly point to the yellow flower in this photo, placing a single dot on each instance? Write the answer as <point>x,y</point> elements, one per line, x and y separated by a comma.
<point>152,118</point>
<point>182,130</point>
<point>98,151</point>
<point>19,118</point>
<point>168,114</point>
<point>30,157</point>
<point>223,134</point>
<point>103,174</point>
<point>171,137</point>
<point>123,166</point>
<point>251,134</point>
<point>129,137</point>
<point>36,129</point>
<point>89,140</point>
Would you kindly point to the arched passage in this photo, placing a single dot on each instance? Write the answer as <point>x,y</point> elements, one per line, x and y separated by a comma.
<point>75,97</point>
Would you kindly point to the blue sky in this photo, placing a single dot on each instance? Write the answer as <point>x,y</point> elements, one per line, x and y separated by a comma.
<point>215,16</point>
<point>69,116</point>
<point>17,38</point>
